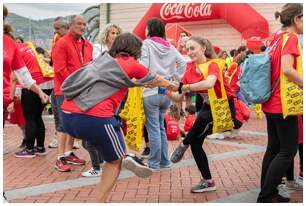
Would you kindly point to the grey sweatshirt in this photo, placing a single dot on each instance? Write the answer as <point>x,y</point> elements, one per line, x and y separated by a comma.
<point>163,60</point>
<point>97,81</point>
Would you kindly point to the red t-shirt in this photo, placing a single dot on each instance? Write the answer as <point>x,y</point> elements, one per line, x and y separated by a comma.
<point>233,84</point>
<point>107,107</point>
<point>189,120</point>
<point>68,56</point>
<point>30,61</point>
<point>191,76</point>
<point>12,60</point>
<point>274,105</point>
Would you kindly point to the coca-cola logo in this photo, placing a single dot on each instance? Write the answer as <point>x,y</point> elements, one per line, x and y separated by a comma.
<point>187,10</point>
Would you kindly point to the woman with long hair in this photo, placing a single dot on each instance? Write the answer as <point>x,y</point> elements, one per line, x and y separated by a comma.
<point>105,39</point>
<point>282,132</point>
<point>200,52</point>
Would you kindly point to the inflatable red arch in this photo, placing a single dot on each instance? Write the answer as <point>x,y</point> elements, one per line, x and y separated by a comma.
<point>242,17</point>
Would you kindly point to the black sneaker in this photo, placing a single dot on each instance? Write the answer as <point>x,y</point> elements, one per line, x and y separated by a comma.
<point>146,152</point>
<point>25,153</point>
<point>40,151</point>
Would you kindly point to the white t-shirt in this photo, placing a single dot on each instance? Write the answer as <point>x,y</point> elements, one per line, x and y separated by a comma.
<point>98,49</point>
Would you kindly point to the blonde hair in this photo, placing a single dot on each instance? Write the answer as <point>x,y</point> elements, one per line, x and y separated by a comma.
<point>102,37</point>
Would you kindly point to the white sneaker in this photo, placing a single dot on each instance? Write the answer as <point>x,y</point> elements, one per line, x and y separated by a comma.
<point>92,173</point>
<point>53,143</point>
<point>283,190</point>
<point>216,136</point>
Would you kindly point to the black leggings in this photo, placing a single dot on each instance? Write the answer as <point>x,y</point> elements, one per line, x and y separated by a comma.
<point>290,172</point>
<point>32,110</point>
<point>201,128</point>
<point>281,149</point>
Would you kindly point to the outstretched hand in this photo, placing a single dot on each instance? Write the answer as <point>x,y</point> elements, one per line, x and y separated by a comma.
<point>173,86</point>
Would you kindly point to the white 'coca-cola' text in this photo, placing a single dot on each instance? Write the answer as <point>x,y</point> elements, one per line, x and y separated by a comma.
<point>188,10</point>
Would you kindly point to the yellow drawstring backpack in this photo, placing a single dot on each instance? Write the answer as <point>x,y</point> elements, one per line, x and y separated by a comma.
<point>134,114</point>
<point>291,93</point>
<point>220,110</point>
<point>45,69</point>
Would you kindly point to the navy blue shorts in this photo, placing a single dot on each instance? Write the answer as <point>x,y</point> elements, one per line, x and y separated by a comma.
<point>59,101</point>
<point>103,132</point>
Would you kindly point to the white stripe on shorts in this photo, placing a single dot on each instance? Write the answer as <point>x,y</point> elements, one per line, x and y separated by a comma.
<point>117,139</point>
<point>111,137</point>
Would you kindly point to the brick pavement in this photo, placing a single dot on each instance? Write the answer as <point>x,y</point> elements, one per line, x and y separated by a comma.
<point>234,175</point>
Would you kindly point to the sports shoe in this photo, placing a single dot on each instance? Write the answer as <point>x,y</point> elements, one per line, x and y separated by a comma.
<point>73,159</point>
<point>178,153</point>
<point>283,190</point>
<point>40,151</point>
<point>146,152</point>
<point>92,173</point>
<point>204,186</point>
<point>61,165</point>
<point>53,143</point>
<point>216,136</point>
<point>135,165</point>
<point>25,153</point>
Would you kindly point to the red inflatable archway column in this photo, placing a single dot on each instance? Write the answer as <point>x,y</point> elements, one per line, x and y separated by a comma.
<point>232,13</point>
<point>244,19</point>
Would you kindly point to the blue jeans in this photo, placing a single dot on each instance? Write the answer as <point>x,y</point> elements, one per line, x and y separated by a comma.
<point>155,107</point>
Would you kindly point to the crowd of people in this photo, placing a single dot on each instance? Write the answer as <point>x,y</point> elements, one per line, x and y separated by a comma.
<point>89,83</point>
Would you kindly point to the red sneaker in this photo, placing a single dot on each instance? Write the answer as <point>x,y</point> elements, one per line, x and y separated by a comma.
<point>61,165</point>
<point>73,159</point>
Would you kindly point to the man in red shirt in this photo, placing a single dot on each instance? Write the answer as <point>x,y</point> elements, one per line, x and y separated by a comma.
<point>70,53</point>
<point>61,27</point>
